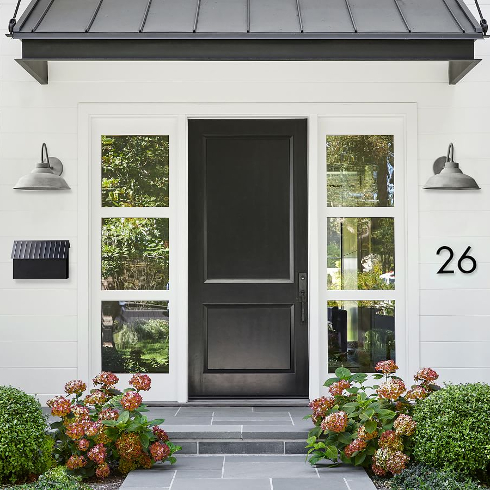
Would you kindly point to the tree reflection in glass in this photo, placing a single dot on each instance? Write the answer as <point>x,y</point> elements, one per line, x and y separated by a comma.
<point>135,171</point>
<point>135,253</point>
<point>360,253</point>
<point>360,334</point>
<point>360,171</point>
<point>135,336</point>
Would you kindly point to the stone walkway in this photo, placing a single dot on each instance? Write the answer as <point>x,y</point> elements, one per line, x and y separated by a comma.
<point>264,472</point>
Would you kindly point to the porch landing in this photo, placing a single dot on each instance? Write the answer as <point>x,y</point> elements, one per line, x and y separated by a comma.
<point>242,448</point>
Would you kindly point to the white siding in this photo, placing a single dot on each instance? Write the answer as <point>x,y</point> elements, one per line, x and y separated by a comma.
<point>38,319</point>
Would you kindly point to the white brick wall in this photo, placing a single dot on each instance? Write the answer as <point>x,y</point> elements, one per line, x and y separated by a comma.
<point>38,324</point>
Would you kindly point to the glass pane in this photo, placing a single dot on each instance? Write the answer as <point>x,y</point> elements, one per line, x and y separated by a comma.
<point>134,171</point>
<point>135,253</point>
<point>360,253</point>
<point>360,334</point>
<point>135,336</point>
<point>360,171</point>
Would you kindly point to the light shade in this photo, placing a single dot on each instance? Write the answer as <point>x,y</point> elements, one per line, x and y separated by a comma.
<point>451,177</point>
<point>46,175</point>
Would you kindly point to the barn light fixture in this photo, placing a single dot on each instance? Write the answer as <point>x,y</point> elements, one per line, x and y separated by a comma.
<point>448,175</point>
<point>46,175</point>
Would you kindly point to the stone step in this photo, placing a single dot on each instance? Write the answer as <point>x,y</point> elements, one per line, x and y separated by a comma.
<point>238,446</point>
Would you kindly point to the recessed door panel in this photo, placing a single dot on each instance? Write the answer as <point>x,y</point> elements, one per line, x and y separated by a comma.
<point>248,211</point>
<point>249,337</point>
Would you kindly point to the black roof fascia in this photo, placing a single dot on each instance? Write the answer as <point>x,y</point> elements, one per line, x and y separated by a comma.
<point>37,52</point>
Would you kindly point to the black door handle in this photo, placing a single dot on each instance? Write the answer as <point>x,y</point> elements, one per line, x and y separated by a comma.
<point>303,296</point>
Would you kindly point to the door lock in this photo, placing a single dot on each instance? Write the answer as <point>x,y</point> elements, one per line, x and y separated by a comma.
<point>303,293</point>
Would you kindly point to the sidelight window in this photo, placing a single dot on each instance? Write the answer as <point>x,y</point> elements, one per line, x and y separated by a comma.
<point>134,251</point>
<point>363,270</point>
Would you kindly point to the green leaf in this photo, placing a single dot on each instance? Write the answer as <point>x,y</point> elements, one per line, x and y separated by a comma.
<point>377,376</point>
<point>331,452</point>
<point>151,423</point>
<point>359,459</point>
<point>345,438</point>
<point>311,440</point>
<point>109,423</point>
<point>342,373</point>
<point>306,417</point>
<point>316,431</point>
<point>330,382</point>
<point>358,378</point>
<point>353,390</point>
<point>172,460</point>
<point>369,412</point>
<point>315,458</point>
<point>145,441</point>
<point>370,426</point>
<point>386,414</point>
<point>123,417</point>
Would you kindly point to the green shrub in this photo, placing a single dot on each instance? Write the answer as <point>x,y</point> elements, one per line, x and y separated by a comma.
<point>25,449</point>
<point>453,429</point>
<point>55,479</point>
<point>421,477</point>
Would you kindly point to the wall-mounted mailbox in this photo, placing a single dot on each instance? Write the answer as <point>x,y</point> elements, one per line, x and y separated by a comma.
<point>41,259</point>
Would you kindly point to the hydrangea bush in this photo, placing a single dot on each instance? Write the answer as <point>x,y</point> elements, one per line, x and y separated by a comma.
<point>106,430</point>
<point>367,425</point>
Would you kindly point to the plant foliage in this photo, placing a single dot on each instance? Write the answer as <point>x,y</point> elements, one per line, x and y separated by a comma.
<point>453,429</point>
<point>422,477</point>
<point>107,430</point>
<point>367,425</point>
<point>25,449</point>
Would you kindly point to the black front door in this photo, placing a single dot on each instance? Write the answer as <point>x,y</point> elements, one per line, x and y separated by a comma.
<point>248,328</point>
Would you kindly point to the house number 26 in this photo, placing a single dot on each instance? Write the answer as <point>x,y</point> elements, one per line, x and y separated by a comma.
<point>461,261</point>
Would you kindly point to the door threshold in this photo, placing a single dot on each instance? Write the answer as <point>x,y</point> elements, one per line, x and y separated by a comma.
<point>236,402</point>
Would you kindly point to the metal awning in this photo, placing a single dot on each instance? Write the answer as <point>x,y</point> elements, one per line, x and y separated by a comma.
<point>332,30</point>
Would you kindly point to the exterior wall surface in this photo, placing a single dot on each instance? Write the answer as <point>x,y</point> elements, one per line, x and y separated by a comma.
<point>39,327</point>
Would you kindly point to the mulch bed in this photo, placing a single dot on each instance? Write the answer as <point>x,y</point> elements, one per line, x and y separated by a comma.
<point>111,483</point>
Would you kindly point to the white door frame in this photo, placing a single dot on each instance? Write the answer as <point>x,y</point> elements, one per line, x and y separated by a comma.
<point>88,332</point>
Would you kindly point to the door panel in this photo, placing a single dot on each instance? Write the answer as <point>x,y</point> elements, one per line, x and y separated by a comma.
<point>247,245</point>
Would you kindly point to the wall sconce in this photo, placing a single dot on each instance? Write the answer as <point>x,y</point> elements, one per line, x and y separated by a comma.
<point>46,175</point>
<point>448,175</point>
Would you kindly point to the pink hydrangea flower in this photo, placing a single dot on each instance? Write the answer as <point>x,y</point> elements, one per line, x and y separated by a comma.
<point>96,397</point>
<point>335,422</point>
<point>427,375</point>
<point>355,446</point>
<point>75,430</point>
<point>60,406</point>
<point>160,434</point>
<point>159,451</point>
<point>390,439</point>
<point>75,387</point>
<point>75,462</point>
<point>108,414</point>
<point>392,389</point>
<point>131,400</point>
<point>98,453</point>
<point>404,425</point>
<point>102,471</point>
<point>80,412</point>
<point>83,444</point>
<point>106,379</point>
<point>417,393</point>
<point>142,382</point>
<point>386,367</point>
<point>320,407</point>
<point>336,389</point>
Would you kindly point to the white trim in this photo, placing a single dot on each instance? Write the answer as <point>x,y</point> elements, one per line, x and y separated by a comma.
<point>180,112</point>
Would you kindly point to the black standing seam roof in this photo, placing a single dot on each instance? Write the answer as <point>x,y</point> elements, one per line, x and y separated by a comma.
<point>327,30</point>
<point>252,19</point>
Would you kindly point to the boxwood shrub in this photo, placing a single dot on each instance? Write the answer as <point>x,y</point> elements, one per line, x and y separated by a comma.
<point>421,477</point>
<point>25,449</point>
<point>453,429</point>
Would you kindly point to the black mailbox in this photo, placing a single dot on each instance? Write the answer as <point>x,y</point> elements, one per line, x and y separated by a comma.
<point>41,259</point>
